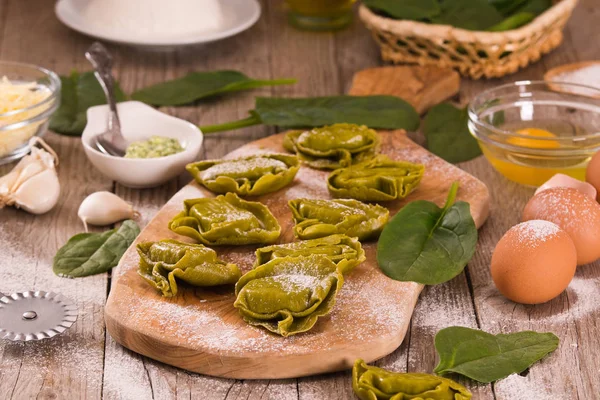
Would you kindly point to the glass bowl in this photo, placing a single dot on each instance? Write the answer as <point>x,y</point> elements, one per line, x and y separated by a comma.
<point>18,125</point>
<point>531,130</point>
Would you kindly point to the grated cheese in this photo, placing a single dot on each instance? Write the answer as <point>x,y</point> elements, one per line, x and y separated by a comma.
<point>15,97</point>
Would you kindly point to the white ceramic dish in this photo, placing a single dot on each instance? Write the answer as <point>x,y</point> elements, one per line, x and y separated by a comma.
<point>138,122</point>
<point>239,15</point>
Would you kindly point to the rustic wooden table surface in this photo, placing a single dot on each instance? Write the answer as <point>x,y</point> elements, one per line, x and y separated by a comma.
<point>87,363</point>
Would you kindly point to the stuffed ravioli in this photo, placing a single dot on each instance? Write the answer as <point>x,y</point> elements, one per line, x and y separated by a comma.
<point>378,179</point>
<point>249,176</point>
<point>318,218</point>
<point>226,220</point>
<point>164,263</point>
<point>287,295</point>
<point>333,146</point>
<point>373,383</point>
<point>346,252</point>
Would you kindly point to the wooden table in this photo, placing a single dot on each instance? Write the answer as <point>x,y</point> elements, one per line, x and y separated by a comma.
<point>87,363</point>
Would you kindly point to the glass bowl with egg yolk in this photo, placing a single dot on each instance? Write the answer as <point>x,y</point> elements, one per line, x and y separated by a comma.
<point>531,130</point>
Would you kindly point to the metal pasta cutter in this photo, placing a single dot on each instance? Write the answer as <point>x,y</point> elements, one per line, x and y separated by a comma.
<point>35,315</point>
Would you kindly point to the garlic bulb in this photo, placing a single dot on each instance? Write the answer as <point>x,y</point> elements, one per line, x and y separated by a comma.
<point>33,184</point>
<point>105,208</point>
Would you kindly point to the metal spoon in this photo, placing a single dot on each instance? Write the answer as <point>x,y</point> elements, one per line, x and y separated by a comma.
<point>112,141</point>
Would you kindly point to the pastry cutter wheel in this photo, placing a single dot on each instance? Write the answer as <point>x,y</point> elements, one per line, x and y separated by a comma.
<point>35,315</point>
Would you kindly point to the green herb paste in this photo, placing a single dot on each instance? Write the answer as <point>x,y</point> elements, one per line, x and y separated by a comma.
<point>156,146</point>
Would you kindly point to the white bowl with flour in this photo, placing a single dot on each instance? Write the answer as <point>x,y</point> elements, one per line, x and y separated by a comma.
<point>158,23</point>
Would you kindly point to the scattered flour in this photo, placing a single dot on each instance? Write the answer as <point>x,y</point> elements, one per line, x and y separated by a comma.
<point>579,301</point>
<point>25,266</point>
<point>517,387</point>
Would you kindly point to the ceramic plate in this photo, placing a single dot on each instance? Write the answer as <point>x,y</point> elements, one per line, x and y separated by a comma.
<point>239,15</point>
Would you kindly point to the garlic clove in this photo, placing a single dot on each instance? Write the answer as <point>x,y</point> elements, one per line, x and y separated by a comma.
<point>38,194</point>
<point>32,184</point>
<point>8,181</point>
<point>27,172</point>
<point>105,208</point>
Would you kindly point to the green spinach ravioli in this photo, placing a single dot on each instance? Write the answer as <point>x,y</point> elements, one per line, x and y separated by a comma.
<point>248,176</point>
<point>226,220</point>
<point>287,295</point>
<point>333,146</point>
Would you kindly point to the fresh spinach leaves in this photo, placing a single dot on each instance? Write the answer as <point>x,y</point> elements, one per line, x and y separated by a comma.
<point>485,357</point>
<point>427,244</point>
<point>406,9</point>
<point>378,112</point>
<point>78,93</point>
<point>81,91</point>
<point>94,253</point>
<point>480,15</point>
<point>475,15</point>
<point>200,85</point>
<point>507,7</point>
<point>513,22</point>
<point>445,128</point>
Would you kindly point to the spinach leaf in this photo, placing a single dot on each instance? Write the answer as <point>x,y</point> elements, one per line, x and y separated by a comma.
<point>476,15</point>
<point>507,7</point>
<point>445,128</point>
<point>513,22</point>
<point>200,85</point>
<point>78,93</point>
<point>485,357</point>
<point>405,9</point>
<point>536,7</point>
<point>383,112</point>
<point>94,253</point>
<point>427,244</point>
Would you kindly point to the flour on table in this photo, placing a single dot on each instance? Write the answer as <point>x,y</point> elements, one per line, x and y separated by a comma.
<point>23,270</point>
<point>516,387</point>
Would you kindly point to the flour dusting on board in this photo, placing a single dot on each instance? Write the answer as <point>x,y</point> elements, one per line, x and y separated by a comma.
<point>361,313</point>
<point>372,312</point>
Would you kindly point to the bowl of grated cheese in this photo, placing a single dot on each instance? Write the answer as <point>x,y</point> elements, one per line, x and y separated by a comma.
<point>28,97</point>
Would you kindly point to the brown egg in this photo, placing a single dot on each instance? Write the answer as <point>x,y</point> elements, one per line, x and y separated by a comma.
<point>592,173</point>
<point>562,180</point>
<point>533,262</point>
<point>576,213</point>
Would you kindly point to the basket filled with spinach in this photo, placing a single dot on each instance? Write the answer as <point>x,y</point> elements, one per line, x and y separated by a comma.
<point>479,38</point>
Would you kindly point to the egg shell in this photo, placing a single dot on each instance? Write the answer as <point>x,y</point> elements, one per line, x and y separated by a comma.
<point>533,262</point>
<point>592,173</point>
<point>562,180</point>
<point>575,213</point>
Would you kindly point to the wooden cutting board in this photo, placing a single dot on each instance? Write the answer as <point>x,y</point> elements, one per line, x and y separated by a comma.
<point>201,331</point>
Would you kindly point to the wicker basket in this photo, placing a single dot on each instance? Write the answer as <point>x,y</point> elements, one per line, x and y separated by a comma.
<point>472,53</point>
